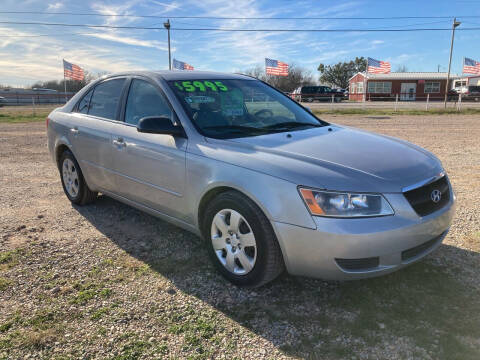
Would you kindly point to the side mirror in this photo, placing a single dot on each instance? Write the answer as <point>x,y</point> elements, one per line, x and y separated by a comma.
<point>159,125</point>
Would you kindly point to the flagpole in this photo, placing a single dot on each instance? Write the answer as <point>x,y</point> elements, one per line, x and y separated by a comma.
<point>365,83</point>
<point>454,25</point>
<point>64,81</point>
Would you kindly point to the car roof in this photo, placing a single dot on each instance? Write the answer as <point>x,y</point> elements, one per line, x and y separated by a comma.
<point>185,75</point>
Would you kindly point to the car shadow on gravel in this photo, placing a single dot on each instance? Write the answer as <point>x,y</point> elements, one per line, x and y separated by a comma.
<point>427,310</point>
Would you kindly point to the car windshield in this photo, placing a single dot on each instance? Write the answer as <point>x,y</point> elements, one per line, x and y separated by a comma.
<point>227,109</point>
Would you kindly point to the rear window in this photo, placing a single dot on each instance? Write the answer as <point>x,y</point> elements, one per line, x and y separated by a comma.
<point>84,104</point>
<point>474,89</point>
<point>105,99</point>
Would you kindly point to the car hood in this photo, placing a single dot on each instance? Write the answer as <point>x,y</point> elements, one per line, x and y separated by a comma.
<point>333,157</point>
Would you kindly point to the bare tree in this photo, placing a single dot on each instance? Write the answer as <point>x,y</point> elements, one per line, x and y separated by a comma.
<point>297,76</point>
<point>72,85</point>
<point>401,68</point>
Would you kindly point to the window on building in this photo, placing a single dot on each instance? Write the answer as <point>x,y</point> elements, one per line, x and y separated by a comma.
<point>353,88</point>
<point>380,87</point>
<point>359,87</point>
<point>432,87</point>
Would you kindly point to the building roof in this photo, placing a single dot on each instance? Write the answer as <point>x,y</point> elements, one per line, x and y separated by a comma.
<point>410,76</point>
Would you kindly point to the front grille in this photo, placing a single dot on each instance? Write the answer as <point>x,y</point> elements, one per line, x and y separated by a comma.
<point>358,264</point>
<point>421,200</point>
<point>417,250</point>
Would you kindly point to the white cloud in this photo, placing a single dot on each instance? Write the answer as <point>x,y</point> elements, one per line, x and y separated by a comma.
<point>116,37</point>
<point>55,6</point>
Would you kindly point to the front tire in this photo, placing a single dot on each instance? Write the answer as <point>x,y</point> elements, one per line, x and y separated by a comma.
<point>73,182</point>
<point>241,241</point>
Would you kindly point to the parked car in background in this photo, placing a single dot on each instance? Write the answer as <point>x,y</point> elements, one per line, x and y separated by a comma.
<point>317,93</point>
<point>3,101</point>
<point>472,93</point>
<point>268,185</point>
<point>344,93</point>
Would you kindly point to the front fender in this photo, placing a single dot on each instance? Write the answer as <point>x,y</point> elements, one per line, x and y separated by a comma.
<point>278,198</point>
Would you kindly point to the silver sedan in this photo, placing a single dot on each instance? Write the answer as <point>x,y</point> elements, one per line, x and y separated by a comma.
<point>268,185</point>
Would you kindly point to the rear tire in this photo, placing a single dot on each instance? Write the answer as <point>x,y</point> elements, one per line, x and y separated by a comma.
<point>256,257</point>
<point>73,182</point>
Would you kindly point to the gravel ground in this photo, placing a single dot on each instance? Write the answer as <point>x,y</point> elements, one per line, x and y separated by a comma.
<point>107,281</point>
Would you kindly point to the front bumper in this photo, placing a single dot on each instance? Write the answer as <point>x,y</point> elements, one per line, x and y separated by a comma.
<point>345,249</point>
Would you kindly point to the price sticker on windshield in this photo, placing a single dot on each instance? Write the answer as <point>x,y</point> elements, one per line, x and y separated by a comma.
<point>200,85</point>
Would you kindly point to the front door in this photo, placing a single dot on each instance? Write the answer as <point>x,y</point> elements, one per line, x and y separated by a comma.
<point>408,91</point>
<point>149,168</point>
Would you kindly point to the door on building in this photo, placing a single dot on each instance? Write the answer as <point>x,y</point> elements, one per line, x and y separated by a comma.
<point>408,91</point>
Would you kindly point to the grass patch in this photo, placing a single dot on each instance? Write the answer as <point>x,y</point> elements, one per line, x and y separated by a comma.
<point>86,292</point>
<point>6,118</point>
<point>360,111</point>
<point>133,350</point>
<point>4,284</point>
<point>10,258</point>
<point>39,339</point>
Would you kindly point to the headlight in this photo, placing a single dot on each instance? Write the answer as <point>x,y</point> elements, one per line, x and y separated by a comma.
<point>337,204</point>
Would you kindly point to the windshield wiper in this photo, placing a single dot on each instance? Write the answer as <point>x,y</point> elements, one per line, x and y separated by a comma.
<point>291,125</point>
<point>236,128</point>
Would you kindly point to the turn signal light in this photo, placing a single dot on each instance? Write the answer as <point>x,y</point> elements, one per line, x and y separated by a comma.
<point>312,204</point>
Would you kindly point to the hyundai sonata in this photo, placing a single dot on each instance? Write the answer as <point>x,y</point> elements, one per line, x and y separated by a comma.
<point>267,184</point>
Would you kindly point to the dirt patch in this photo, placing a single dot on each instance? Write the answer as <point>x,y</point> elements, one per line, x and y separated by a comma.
<point>107,281</point>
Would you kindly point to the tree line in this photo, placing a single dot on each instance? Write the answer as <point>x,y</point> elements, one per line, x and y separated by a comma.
<point>335,75</point>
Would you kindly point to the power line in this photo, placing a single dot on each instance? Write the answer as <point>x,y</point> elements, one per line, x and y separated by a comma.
<point>233,29</point>
<point>235,18</point>
<point>178,22</point>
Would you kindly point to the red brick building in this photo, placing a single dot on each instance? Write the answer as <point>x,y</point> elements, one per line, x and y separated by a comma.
<point>408,86</point>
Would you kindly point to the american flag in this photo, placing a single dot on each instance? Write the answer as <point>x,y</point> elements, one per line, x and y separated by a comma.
<point>275,67</point>
<point>471,66</point>
<point>377,66</point>
<point>180,65</point>
<point>73,71</point>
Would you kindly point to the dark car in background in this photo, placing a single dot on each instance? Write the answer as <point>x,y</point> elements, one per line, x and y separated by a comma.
<point>317,93</point>
<point>343,92</point>
<point>3,101</point>
<point>472,94</point>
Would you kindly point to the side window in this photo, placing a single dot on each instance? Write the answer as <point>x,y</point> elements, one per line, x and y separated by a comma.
<point>84,104</point>
<point>145,100</point>
<point>105,99</point>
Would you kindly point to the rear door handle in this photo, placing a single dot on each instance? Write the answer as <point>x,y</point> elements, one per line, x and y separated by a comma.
<point>74,130</point>
<point>120,142</point>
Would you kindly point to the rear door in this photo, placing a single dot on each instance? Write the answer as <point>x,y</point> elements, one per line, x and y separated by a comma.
<point>91,132</point>
<point>149,168</point>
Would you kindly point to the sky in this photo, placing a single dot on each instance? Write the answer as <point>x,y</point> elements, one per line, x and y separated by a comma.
<point>30,53</point>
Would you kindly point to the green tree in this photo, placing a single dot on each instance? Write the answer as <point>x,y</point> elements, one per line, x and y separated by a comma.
<point>339,74</point>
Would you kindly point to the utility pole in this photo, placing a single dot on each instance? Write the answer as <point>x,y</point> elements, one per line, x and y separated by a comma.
<point>454,25</point>
<point>167,26</point>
